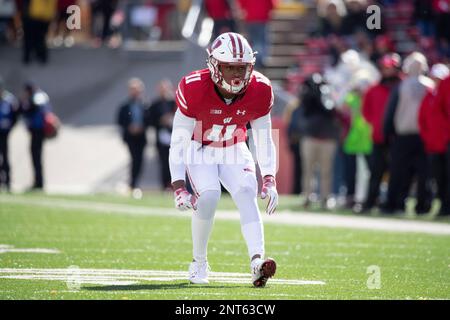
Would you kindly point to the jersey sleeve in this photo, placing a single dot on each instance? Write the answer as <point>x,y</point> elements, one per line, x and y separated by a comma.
<point>266,154</point>
<point>182,99</point>
<point>183,128</point>
<point>265,94</point>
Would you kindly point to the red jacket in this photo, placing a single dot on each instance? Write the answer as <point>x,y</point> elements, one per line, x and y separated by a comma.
<point>373,108</point>
<point>257,10</point>
<point>218,9</point>
<point>432,125</point>
<point>442,105</point>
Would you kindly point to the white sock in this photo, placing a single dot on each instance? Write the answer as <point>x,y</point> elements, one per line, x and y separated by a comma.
<point>253,233</point>
<point>251,223</point>
<point>201,229</point>
<point>202,223</point>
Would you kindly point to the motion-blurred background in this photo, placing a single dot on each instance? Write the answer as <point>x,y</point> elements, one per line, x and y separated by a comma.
<point>310,49</point>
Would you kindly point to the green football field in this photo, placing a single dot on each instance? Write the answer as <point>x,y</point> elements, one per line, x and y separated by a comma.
<point>110,247</point>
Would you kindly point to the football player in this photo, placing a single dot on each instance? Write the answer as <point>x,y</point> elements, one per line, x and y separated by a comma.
<point>208,143</point>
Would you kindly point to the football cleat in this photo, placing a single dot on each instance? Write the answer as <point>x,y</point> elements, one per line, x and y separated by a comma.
<point>198,272</point>
<point>262,270</point>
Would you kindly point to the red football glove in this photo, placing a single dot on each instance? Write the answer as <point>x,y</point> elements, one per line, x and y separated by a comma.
<point>184,200</point>
<point>269,188</point>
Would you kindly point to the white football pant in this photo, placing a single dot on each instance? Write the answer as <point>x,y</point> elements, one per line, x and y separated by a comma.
<point>234,167</point>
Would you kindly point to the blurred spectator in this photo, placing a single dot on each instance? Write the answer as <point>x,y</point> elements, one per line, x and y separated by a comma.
<point>59,27</point>
<point>221,12</point>
<point>165,18</point>
<point>408,158</point>
<point>434,135</point>
<point>8,117</point>
<point>424,17</point>
<point>442,106</point>
<point>319,130</point>
<point>442,9</point>
<point>331,14</point>
<point>337,46</point>
<point>292,118</point>
<point>373,110</point>
<point>257,14</point>
<point>341,77</point>
<point>7,12</point>
<point>356,18</point>
<point>131,119</point>
<point>358,140</point>
<point>339,184</point>
<point>36,18</point>
<point>160,115</point>
<point>34,105</point>
<point>140,21</point>
<point>103,10</point>
<point>383,45</point>
<point>363,43</point>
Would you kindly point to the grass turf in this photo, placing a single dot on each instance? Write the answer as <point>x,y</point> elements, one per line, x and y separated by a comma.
<point>413,266</point>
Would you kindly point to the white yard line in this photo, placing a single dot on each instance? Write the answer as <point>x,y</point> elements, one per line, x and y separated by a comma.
<point>31,250</point>
<point>185,295</point>
<point>281,217</point>
<point>5,248</point>
<point>128,277</point>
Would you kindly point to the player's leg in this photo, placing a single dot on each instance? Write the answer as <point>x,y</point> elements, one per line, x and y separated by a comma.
<point>204,179</point>
<point>239,179</point>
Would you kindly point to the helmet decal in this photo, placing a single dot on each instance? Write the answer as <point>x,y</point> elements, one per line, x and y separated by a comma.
<point>216,44</point>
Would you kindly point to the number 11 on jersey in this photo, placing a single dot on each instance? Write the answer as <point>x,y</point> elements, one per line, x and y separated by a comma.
<point>215,134</point>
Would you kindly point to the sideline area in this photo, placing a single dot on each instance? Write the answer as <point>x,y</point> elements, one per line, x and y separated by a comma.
<point>280,217</point>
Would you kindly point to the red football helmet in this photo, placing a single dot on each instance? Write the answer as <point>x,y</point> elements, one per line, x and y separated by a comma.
<point>230,49</point>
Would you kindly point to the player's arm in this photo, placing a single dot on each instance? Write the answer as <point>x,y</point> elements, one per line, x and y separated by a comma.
<point>183,127</point>
<point>266,157</point>
<point>265,147</point>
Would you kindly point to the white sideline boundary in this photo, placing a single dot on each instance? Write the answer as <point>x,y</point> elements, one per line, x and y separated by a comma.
<point>280,217</point>
<point>75,276</point>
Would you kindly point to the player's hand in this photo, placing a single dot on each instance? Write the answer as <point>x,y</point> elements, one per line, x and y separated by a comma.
<point>184,200</point>
<point>269,188</point>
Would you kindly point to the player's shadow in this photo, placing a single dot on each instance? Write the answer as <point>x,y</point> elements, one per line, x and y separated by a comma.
<point>156,286</point>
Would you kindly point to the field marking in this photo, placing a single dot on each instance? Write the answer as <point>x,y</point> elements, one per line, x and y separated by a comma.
<point>5,248</point>
<point>129,277</point>
<point>180,296</point>
<point>281,217</point>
